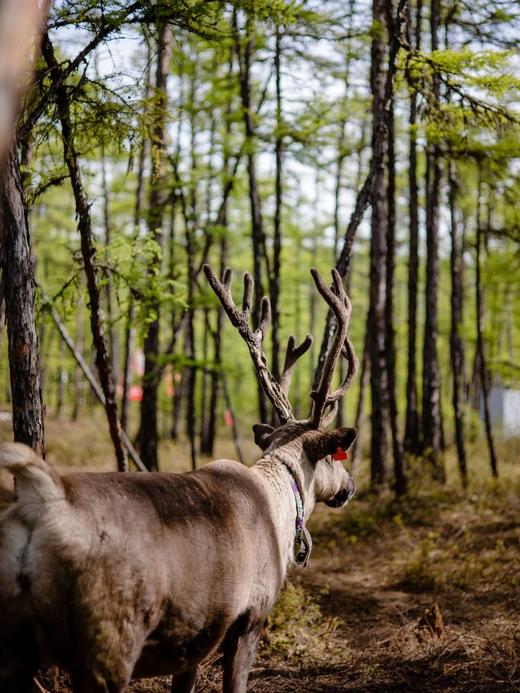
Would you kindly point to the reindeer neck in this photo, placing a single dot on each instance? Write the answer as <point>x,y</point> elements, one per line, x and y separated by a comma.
<point>280,470</point>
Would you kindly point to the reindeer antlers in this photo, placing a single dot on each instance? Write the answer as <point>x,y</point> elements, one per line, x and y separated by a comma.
<point>277,392</point>
<point>340,304</point>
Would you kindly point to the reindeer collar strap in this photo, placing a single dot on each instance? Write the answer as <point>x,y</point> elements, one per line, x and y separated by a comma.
<point>302,537</point>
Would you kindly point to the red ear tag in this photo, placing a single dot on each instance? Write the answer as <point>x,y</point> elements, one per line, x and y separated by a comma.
<point>340,454</point>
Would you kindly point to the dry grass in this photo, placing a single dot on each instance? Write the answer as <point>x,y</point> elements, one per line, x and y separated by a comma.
<point>421,595</point>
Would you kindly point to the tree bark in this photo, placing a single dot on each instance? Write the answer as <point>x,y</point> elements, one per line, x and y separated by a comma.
<point>191,228</point>
<point>129,337</point>
<point>479,306</point>
<point>148,435</point>
<point>274,280</point>
<point>399,464</point>
<point>257,224</point>
<point>456,342</point>
<point>24,366</point>
<point>366,191</point>
<point>88,251</point>
<point>431,376</point>
<point>78,394</point>
<point>411,431</point>
<point>112,331</point>
<point>378,250</point>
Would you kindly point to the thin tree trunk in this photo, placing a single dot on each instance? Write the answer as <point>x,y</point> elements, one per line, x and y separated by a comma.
<point>412,432</point>
<point>431,376</point>
<point>341,155</point>
<point>78,392</point>
<point>206,403</point>
<point>129,337</point>
<point>88,251</point>
<point>378,249</point>
<point>364,378</point>
<point>62,375</point>
<point>456,342</point>
<point>2,306</point>
<point>18,275</point>
<point>399,464</point>
<point>191,227</point>
<point>112,332</point>
<point>216,373</point>
<point>479,307</point>
<point>366,192</point>
<point>148,437</point>
<point>234,429</point>
<point>274,280</point>
<point>257,224</point>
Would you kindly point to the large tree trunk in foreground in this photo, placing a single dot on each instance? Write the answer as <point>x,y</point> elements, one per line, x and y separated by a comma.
<point>18,278</point>
<point>431,377</point>
<point>88,251</point>
<point>148,437</point>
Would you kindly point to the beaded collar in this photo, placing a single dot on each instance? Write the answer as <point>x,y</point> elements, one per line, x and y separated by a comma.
<point>302,537</point>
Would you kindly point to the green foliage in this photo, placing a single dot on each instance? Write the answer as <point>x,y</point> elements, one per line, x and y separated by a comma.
<point>296,622</point>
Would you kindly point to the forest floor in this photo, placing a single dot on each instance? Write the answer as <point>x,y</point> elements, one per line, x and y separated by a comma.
<point>422,595</point>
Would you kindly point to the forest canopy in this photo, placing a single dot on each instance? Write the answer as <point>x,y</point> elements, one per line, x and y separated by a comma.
<point>380,138</point>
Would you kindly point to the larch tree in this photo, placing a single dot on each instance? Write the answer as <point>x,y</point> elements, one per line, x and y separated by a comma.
<point>148,432</point>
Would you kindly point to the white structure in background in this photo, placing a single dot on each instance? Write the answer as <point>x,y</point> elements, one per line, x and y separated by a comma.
<point>504,408</point>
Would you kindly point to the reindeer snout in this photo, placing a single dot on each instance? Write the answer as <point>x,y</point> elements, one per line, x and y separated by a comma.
<point>344,495</point>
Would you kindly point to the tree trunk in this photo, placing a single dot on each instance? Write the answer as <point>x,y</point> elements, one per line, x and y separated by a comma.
<point>456,342</point>
<point>112,331</point>
<point>479,307</point>
<point>24,366</point>
<point>78,393</point>
<point>411,431</point>
<point>129,337</point>
<point>257,224</point>
<point>399,466</point>
<point>340,159</point>
<point>431,376</point>
<point>148,438</point>
<point>222,221</point>
<point>365,193</point>
<point>364,377</point>
<point>88,251</point>
<point>274,280</point>
<point>234,429</point>
<point>60,382</point>
<point>378,249</point>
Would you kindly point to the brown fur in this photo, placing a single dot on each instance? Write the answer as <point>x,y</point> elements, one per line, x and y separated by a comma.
<point>114,576</point>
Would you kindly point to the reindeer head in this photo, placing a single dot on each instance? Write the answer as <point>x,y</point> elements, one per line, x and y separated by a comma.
<point>303,446</point>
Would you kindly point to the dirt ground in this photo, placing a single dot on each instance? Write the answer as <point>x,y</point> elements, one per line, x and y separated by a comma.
<point>422,595</point>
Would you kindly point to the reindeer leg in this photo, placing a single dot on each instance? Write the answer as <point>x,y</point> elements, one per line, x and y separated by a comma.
<point>185,682</point>
<point>239,652</point>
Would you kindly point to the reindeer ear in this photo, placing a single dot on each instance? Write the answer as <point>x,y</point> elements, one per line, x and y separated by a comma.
<point>318,444</point>
<point>262,433</point>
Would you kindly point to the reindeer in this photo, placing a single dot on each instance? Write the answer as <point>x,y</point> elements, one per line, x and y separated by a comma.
<point>114,576</point>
